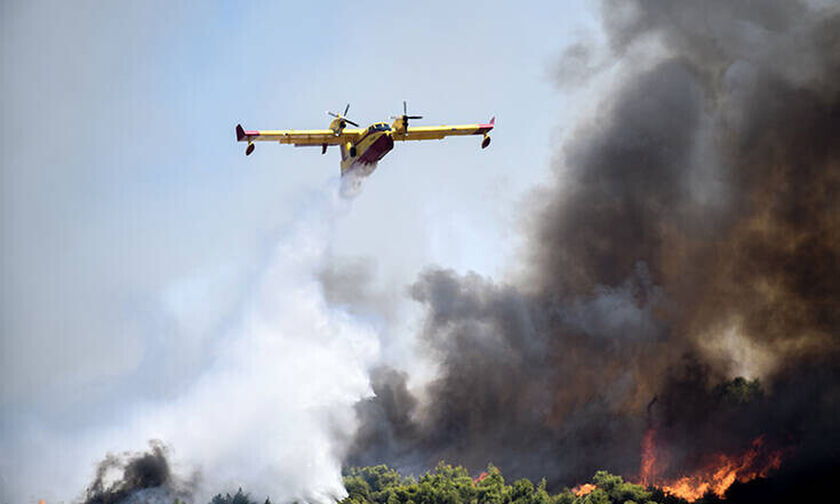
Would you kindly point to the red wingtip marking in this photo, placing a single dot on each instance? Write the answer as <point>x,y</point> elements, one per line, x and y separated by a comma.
<point>487,126</point>
<point>242,135</point>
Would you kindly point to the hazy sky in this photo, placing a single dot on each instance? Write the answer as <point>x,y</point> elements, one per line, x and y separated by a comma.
<point>134,229</point>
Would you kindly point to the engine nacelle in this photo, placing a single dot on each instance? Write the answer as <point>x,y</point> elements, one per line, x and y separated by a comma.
<point>485,142</point>
<point>400,125</point>
<point>337,126</point>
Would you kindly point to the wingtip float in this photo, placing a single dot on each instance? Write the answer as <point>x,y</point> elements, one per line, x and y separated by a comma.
<point>362,148</point>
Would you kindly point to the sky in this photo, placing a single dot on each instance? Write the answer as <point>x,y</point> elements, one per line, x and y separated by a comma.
<point>136,238</point>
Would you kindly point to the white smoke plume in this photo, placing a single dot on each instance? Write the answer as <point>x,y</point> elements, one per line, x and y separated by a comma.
<point>273,411</point>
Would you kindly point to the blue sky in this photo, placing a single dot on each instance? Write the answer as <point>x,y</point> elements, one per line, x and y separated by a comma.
<point>133,227</point>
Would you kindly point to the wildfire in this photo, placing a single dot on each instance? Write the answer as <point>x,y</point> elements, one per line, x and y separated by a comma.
<point>584,489</point>
<point>648,458</point>
<point>716,476</point>
<point>480,478</point>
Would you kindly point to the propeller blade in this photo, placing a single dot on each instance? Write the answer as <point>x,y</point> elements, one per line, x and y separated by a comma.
<point>405,108</point>
<point>414,117</point>
<point>348,121</point>
<point>346,109</point>
<point>333,114</point>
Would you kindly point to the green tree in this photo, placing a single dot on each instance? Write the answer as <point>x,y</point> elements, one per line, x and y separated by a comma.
<point>239,497</point>
<point>564,497</point>
<point>541,494</point>
<point>357,488</point>
<point>597,496</point>
<point>619,490</point>
<point>491,489</point>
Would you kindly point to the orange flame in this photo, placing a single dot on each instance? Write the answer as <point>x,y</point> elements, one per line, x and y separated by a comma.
<point>647,471</point>
<point>716,476</point>
<point>480,478</point>
<point>584,489</point>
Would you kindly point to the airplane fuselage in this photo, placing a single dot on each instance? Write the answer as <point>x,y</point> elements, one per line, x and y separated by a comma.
<point>364,153</point>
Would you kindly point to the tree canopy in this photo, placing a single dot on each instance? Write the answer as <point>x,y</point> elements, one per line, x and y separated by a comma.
<point>448,484</point>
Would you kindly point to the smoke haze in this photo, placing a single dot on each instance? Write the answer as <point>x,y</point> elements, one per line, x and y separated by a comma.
<point>690,238</point>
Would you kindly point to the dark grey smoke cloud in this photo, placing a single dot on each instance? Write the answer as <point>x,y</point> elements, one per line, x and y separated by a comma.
<point>691,237</point>
<point>137,478</point>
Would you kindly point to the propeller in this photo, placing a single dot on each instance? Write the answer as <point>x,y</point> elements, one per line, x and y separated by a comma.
<point>343,116</point>
<point>405,117</point>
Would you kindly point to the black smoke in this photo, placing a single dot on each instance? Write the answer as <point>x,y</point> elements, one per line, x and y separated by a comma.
<point>692,235</point>
<point>132,478</point>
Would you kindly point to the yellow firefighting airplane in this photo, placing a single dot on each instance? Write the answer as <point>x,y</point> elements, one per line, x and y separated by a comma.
<point>360,148</point>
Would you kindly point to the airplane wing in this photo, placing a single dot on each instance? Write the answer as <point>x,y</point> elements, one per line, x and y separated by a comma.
<point>297,137</point>
<point>440,132</point>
